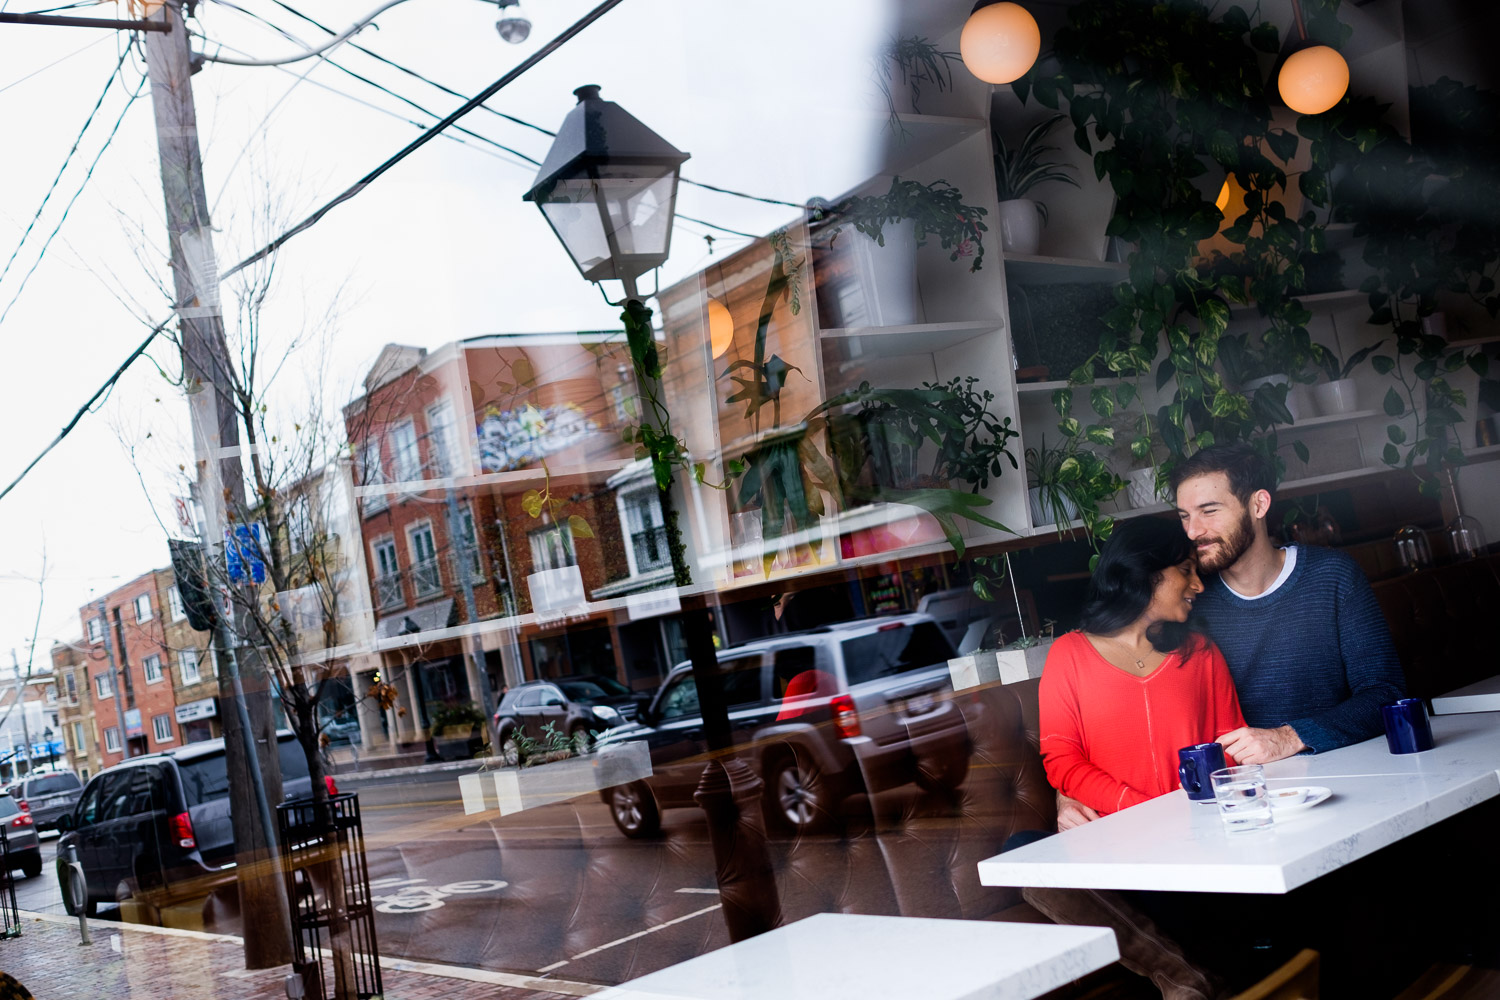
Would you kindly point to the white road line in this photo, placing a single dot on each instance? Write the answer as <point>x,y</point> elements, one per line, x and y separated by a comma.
<point>705,892</point>
<point>632,937</point>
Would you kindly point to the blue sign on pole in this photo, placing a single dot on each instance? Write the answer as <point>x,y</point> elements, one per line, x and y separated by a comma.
<point>244,554</point>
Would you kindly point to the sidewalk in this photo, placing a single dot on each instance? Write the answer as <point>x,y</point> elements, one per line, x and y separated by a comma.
<point>131,962</point>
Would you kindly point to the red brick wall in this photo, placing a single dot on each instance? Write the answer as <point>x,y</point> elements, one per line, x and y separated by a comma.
<point>141,640</point>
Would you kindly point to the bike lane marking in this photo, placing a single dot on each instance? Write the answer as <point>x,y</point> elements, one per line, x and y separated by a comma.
<point>630,937</point>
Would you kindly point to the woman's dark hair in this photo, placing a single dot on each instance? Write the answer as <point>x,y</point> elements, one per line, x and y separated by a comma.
<point>1130,566</point>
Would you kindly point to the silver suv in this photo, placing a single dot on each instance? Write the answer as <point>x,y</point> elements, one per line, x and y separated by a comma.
<point>820,715</point>
<point>47,796</point>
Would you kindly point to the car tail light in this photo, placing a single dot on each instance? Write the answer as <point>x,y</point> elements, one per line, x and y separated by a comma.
<point>22,819</point>
<point>333,789</point>
<point>891,626</point>
<point>23,805</point>
<point>182,831</point>
<point>845,718</point>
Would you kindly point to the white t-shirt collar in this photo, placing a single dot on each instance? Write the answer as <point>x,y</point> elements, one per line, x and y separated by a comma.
<point>1286,571</point>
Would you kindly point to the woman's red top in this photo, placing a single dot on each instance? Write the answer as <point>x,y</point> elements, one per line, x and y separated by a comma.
<point>1110,739</point>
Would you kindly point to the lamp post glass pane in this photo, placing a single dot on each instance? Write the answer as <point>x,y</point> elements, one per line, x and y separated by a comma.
<point>636,210</point>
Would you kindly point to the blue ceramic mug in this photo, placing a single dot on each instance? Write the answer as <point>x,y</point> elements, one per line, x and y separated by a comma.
<point>1195,764</point>
<point>1407,729</point>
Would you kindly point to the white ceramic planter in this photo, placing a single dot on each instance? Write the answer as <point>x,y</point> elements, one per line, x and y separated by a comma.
<point>1043,515</point>
<point>887,276</point>
<point>1141,488</point>
<point>998,666</point>
<point>1337,397</point>
<point>1294,405</point>
<point>1020,226</point>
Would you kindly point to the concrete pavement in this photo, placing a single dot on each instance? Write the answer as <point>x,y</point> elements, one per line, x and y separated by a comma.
<point>154,963</point>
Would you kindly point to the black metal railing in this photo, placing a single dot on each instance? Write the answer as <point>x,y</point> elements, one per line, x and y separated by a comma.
<point>388,592</point>
<point>651,550</point>
<point>323,862</point>
<point>10,913</point>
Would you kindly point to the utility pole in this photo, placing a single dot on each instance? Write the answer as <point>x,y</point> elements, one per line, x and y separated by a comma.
<point>249,730</point>
<point>114,680</point>
<point>21,701</point>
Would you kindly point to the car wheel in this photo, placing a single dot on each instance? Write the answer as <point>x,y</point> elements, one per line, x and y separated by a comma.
<point>799,797</point>
<point>633,808</point>
<point>510,750</point>
<point>31,865</point>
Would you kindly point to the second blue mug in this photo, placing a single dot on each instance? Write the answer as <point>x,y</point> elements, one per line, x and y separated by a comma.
<point>1407,729</point>
<point>1195,764</point>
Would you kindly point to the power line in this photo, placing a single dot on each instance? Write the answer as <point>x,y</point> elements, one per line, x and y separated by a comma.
<point>108,85</point>
<point>70,55</point>
<point>312,220</point>
<point>88,175</point>
<point>449,90</point>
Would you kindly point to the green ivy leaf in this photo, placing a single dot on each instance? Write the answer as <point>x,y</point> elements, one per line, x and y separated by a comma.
<point>1125,393</point>
<point>982,589</point>
<point>579,527</point>
<point>1165,372</point>
<point>1425,369</point>
<point>1301,450</point>
<point>1394,407</point>
<point>1396,434</point>
<point>1069,426</point>
<point>1062,401</point>
<point>1140,446</point>
<point>1214,315</point>
<point>1383,364</point>
<point>1103,401</point>
<point>1096,434</point>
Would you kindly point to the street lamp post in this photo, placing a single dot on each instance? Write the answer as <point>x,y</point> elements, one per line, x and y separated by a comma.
<point>608,189</point>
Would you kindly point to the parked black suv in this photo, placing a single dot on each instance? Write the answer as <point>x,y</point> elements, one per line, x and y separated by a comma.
<point>161,819</point>
<point>47,796</point>
<point>578,707</point>
<point>821,715</point>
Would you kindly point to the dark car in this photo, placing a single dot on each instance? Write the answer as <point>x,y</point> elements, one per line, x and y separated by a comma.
<point>47,796</point>
<point>162,820</point>
<point>578,707</point>
<point>820,715</point>
<point>21,842</point>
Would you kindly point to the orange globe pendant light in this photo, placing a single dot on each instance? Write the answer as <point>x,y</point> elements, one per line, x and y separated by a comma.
<point>1000,41</point>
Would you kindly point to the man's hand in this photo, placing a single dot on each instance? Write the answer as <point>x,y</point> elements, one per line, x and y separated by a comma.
<point>1071,813</point>
<point>1261,746</point>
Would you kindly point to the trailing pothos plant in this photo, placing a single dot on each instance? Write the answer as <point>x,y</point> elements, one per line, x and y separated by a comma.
<point>1165,95</point>
<point>1429,212</point>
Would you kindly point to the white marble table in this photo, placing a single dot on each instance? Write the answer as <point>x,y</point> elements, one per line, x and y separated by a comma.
<point>1172,843</point>
<point>847,955</point>
<point>1481,696</point>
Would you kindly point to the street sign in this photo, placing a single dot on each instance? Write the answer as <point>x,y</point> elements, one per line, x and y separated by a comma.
<point>195,710</point>
<point>244,553</point>
<point>133,722</point>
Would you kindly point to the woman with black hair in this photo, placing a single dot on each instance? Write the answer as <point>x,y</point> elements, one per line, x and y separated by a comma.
<point>1134,684</point>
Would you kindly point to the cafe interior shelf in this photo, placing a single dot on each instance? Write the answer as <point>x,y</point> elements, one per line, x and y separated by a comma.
<point>920,137</point>
<point>920,338</point>
<point>1055,384</point>
<point>1028,269</point>
<point>1342,297</point>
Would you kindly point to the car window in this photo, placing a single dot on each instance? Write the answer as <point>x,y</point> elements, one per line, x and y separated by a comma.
<point>681,699</point>
<point>204,779</point>
<point>790,662</point>
<point>741,679</point>
<point>93,799</point>
<point>125,796</point>
<point>593,687</point>
<point>8,807</point>
<point>293,760</point>
<point>530,698</point>
<point>893,651</point>
<point>549,694</point>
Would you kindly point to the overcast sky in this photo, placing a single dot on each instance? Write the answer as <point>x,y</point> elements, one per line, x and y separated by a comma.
<point>771,98</point>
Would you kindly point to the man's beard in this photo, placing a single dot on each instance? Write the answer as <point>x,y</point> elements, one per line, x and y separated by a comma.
<point>1224,552</point>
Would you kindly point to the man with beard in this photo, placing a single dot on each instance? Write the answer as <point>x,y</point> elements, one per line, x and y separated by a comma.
<point>1304,638</point>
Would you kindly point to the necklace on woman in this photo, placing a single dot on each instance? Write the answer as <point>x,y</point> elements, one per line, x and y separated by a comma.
<point>1139,661</point>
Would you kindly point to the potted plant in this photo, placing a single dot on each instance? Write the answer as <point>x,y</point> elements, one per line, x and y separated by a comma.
<point>1047,489</point>
<point>890,227</point>
<point>967,442</point>
<point>458,722</point>
<point>1019,660</point>
<point>1340,394</point>
<point>917,61</point>
<point>1017,171</point>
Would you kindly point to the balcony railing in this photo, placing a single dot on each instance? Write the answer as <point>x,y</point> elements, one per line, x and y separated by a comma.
<point>388,591</point>
<point>426,578</point>
<point>651,550</point>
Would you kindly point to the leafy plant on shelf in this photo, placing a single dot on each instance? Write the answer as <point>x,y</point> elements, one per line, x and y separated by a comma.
<point>1335,371</point>
<point>1427,209</point>
<point>1071,482</point>
<point>937,211</point>
<point>1019,170</point>
<point>1168,92</point>
<point>918,62</point>
<point>868,426</point>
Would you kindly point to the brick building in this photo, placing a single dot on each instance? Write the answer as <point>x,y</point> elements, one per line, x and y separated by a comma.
<point>516,440</point>
<point>70,667</point>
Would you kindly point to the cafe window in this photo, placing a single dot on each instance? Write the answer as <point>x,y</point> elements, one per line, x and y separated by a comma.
<point>152,666</point>
<point>161,728</point>
<point>646,535</point>
<point>112,739</point>
<point>552,547</point>
<point>471,543</point>
<point>187,666</point>
<point>143,608</point>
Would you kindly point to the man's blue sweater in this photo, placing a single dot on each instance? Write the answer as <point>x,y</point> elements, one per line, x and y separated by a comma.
<point>1315,653</point>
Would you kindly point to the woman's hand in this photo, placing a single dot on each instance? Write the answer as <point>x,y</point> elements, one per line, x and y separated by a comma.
<point>1071,813</point>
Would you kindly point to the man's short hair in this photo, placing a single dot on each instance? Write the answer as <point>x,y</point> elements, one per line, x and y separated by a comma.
<point>1246,469</point>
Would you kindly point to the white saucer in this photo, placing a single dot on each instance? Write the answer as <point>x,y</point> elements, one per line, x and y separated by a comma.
<point>1315,795</point>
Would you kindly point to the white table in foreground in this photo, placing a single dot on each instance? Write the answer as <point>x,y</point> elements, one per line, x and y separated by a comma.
<point>833,955</point>
<point>1171,843</point>
<point>1481,696</point>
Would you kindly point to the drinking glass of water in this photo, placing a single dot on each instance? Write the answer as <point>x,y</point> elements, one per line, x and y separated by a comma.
<point>1241,794</point>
